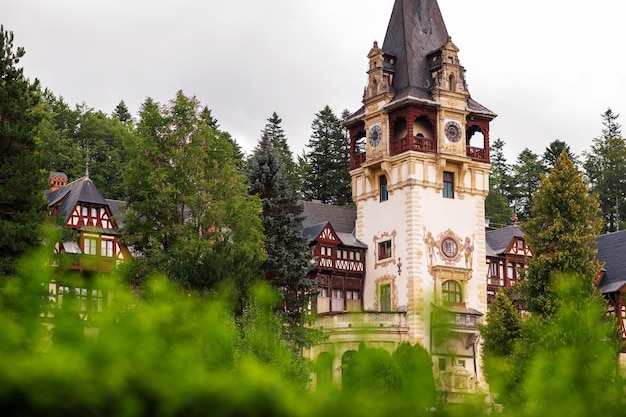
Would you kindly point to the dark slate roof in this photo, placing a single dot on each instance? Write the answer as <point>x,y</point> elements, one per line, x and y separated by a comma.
<point>342,218</point>
<point>416,29</point>
<point>612,251</point>
<point>499,239</point>
<point>82,190</point>
<point>118,209</point>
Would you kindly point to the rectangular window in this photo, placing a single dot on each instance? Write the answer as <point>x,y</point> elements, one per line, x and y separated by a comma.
<point>337,293</point>
<point>94,212</point>
<point>384,249</point>
<point>84,211</point>
<point>384,194</point>
<point>385,297</point>
<point>442,364</point>
<point>89,246</point>
<point>448,184</point>
<point>106,248</point>
<point>353,295</point>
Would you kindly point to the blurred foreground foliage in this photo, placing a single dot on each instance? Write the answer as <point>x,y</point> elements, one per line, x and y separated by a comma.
<point>168,353</point>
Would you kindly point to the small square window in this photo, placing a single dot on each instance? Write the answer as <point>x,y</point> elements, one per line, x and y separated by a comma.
<point>384,249</point>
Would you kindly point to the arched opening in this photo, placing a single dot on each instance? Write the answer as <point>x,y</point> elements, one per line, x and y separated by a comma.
<point>477,139</point>
<point>451,82</point>
<point>345,361</point>
<point>399,129</point>
<point>422,128</point>
<point>324,369</point>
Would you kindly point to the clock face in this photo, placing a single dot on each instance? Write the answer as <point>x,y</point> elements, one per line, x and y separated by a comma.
<point>453,131</point>
<point>375,135</point>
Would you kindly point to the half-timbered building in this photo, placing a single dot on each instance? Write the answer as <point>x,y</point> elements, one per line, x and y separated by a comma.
<point>92,247</point>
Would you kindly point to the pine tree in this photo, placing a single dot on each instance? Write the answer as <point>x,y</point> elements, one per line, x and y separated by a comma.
<point>561,232</point>
<point>122,114</point>
<point>526,176</point>
<point>288,255</point>
<point>276,134</point>
<point>552,153</point>
<point>329,178</point>
<point>604,165</point>
<point>22,204</point>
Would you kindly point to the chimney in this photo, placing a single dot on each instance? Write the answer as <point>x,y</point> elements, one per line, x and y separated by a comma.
<point>56,180</point>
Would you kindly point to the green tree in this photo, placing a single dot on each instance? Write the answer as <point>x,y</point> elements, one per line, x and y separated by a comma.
<point>276,134</point>
<point>122,114</point>
<point>372,372</point>
<point>527,172</point>
<point>561,232</point>
<point>415,366</point>
<point>22,205</point>
<point>189,213</point>
<point>328,179</point>
<point>552,153</point>
<point>604,165</point>
<point>500,335</point>
<point>101,139</point>
<point>288,256</point>
<point>500,170</point>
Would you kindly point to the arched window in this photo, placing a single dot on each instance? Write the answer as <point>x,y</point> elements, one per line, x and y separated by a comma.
<point>324,369</point>
<point>451,292</point>
<point>345,361</point>
<point>451,82</point>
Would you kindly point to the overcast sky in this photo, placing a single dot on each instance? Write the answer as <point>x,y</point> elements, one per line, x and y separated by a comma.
<point>548,68</point>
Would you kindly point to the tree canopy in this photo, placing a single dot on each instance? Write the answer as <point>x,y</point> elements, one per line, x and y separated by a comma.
<point>189,214</point>
<point>22,204</point>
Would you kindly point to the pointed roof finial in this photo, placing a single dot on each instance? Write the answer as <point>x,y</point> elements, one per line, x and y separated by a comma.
<point>87,163</point>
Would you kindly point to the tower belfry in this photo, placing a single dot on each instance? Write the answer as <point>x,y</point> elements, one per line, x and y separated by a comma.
<point>419,161</point>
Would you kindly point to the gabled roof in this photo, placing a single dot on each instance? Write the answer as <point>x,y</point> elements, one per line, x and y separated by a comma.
<point>612,251</point>
<point>341,219</point>
<point>82,190</point>
<point>499,239</point>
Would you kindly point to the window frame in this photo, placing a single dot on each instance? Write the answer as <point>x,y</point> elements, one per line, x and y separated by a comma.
<point>448,184</point>
<point>384,192</point>
<point>451,295</point>
<point>385,250</point>
<point>385,297</point>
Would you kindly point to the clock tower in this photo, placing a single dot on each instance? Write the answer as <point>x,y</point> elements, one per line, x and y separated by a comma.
<point>419,161</point>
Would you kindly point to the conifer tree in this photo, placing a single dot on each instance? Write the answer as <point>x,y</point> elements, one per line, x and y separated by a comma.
<point>526,176</point>
<point>276,134</point>
<point>328,179</point>
<point>122,114</point>
<point>22,204</point>
<point>288,256</point>
<point>561,232</point>
<point>604,165</point>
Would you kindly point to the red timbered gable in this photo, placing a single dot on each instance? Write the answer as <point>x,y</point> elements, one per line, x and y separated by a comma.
<point>519,247</point>
<point>91,215</point>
